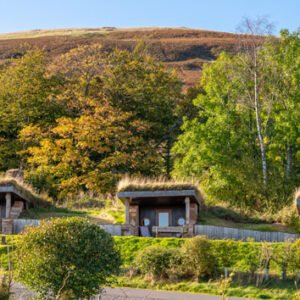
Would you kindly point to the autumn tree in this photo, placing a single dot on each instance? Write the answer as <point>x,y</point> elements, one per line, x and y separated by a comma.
<point>90,152</point>
<point>122,120</point>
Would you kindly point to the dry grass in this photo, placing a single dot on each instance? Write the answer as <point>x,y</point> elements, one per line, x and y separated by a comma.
<point>53,32</point>
<point>152,184</point>
<point>40,199</point>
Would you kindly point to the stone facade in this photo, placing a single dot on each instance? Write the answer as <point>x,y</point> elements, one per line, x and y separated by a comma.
<point>134,215</point>
<point>193,213</point>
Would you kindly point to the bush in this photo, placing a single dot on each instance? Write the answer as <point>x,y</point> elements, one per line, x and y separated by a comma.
<point>295,258</point>
<point>67,256</point>
<point>289,216</point>
<point>154,260</point>
<point>5,284</point>
<point>198,256</point>
<point>130,246</point>
<point>226,253</point>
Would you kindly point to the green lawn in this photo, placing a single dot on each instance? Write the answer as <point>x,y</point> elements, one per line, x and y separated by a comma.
<point>209,218</point>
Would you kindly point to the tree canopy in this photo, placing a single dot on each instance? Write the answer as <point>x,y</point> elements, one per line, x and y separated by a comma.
<point>222,146</point>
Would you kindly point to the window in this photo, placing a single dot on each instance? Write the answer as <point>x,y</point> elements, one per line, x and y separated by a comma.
<point>181,221</point>
<point>146,222</point>
<point>163,219</point>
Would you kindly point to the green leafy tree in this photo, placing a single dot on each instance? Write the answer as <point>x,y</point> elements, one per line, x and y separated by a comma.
<point>25,99</point>
<point>66,258</point>
<point>245,131</point>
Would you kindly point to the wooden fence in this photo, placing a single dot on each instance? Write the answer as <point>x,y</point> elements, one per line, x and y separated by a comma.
<point>113,229</point>
<point>212,232</point>
<point>220,233</point>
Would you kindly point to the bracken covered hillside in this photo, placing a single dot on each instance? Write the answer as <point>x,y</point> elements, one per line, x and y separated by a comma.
<point>181,48</point>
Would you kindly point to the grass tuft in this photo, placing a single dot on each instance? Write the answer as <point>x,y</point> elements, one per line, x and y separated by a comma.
<point>162,184</point>
<point>30,194</point>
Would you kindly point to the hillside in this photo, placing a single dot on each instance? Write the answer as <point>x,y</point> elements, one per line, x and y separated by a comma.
<point>181,48</point>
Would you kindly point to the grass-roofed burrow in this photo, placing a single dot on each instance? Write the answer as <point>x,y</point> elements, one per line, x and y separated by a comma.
<point>132,184</point>
<point>26,191</point>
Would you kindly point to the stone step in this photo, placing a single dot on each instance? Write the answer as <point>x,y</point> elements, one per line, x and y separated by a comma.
<point>19,204</point>
<point>16,209</point>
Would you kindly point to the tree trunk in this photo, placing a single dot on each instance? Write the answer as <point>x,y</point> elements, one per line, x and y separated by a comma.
<point>288,161</point>
<point>258,125</point>
<point>283,272</point>
<point>168,158</point>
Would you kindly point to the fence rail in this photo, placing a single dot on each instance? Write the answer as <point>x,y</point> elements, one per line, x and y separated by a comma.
<point>20,224</point>
<point>218,232</point>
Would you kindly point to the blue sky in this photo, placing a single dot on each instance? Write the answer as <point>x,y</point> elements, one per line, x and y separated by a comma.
<point>222,15</point>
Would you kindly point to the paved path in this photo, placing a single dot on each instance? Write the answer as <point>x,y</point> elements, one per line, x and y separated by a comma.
<point>22,293</point>
<point>139,294</point>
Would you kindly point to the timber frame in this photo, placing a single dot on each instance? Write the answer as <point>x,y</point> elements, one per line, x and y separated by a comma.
<point>176,209</point>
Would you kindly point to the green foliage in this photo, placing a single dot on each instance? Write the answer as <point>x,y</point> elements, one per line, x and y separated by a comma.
<point>290,217</point>
<point>220,145</point>
<point>295,257</point>
<point>67,256</point>
<point>198,257</point>
<point>237,256</point>
<point>154,260</point>
<point>25,100</point>
<point>130,246</point>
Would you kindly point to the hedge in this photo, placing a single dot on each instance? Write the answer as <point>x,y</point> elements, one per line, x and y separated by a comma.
<point>238,255</point>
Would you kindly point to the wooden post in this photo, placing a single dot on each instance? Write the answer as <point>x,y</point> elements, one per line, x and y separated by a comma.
<point>8,204</point>
<point>127,212</point>
<point>187,210</point>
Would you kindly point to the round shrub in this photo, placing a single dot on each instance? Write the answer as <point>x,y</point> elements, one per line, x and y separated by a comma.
<point>67,257</point>
<point>198,257</point>
<point>155,261</point>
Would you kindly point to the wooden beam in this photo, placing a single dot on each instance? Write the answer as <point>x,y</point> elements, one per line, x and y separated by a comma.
<point>8,204</point>
<point>127,211</point>
<point>187,210</point>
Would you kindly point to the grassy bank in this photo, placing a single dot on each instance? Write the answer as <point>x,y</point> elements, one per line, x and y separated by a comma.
<point>129,248</point>
<point>239,257</point>
<point>274,290</point>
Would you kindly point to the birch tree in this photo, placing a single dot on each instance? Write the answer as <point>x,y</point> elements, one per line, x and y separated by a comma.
<point>254,32</point>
